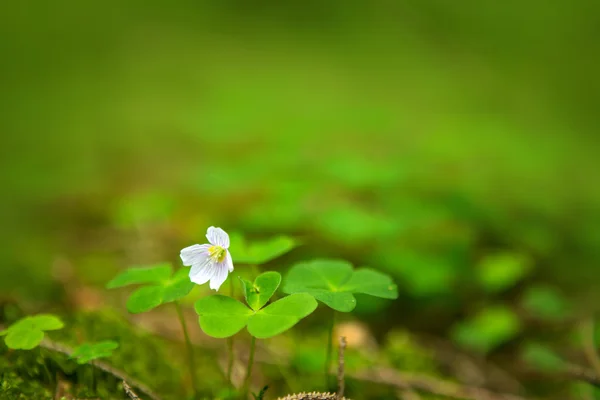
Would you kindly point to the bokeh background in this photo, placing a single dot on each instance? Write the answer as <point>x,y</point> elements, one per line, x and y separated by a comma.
<point>450,144</point>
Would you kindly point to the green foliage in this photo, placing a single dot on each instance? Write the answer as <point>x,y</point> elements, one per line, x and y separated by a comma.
<point>221,316</point>
<point>260,252</point>
<point>162,287</point>
<point>333,282</point>
<point>542,358</point>
<point>28,332</point>
<point>545,303</point>
<point>487,329</point>
<point>154,274</point>
<point>258,293</point>
<point>501,271</point>
<point>92,351</point>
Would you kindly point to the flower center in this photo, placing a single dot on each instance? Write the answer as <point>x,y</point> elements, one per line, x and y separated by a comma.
<point>217,253</point>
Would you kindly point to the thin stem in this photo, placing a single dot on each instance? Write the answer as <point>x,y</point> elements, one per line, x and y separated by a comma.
<point>589,345</point>
<point>230,339</point>
<point>190,348</point>
<point>329,349</point>
<point>46,370</point>
<point>249,369</point>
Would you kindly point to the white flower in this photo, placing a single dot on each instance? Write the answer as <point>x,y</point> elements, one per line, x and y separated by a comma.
<point>209,262</point>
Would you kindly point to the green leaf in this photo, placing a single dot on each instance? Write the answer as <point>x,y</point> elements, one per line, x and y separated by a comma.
<point>164,288</point>
<point>258,293</point>
<point>221,316</point>
<point>28,332</point>
<point>178,286</point>
<point>545,302</point>
<point>374,283</point>
<point>339,301</point>
<point>542,358</point>
<point>487,330</point>
<point>260,252</point>
<point>281,315</point>
<point>333,282</point>
<point>92,351</point>
<point>145,299</point>
<point>501,271</point>
<point>24,339</point>
<point>319,274</point>
<point>156,274</point>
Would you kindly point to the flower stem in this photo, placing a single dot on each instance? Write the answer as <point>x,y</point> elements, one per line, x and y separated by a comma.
<point>329,349</point>
<point>249,369</point>
<point>190,348</point>
<point>230,339</point>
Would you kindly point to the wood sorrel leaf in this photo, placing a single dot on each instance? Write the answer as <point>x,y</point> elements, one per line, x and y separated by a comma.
<point>92,351</point>
<point>221,316</point>
<point>258,293</point>
<point>155,274</point>
<point>24,340</point>
<point>145,299</point>
<point>333,282</point>
<point>324,280</point>
<point>163,287</point>
<point>371,282</point>
<point>281,315</point>
<point>178,286</point>
<point>28,332</point>
<point>261,251</point>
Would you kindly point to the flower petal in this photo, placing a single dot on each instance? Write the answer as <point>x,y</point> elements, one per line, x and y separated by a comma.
<point>219,276</point>
<point>218,237</point>
<point>203,272</point>
<point>194,254</point>
<point>228,261</point>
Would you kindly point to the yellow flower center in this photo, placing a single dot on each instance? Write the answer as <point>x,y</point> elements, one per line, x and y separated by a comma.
<point>217,253</point>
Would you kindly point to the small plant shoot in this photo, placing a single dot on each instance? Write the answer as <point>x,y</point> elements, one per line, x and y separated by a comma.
<point>222,316</point>
<point>160,286</point>
<point>334,283</point>
<point>27,333</point>
<point>92,351</point>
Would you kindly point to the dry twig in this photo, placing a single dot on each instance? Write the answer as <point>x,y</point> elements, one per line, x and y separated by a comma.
<point>129,391</point>
<point>440,387</point>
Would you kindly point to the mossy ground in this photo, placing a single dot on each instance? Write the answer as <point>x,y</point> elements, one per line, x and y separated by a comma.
<point>288,364</point>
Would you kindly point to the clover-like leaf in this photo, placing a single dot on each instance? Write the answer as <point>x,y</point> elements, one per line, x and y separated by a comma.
<point>178,286</point>
<point>28,332</point>
<point>132,276</point>
<point>163,287</point>
<point>258,293</point>
<point>92,351</point>
<point>260,251</point>
<point>371,282</point>
<point>145,299</point>
<point>333,282</point>
<point>221,316</point>
<point>281,315</point>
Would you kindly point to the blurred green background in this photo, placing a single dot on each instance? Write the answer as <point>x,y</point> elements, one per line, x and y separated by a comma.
<point>450,144</point>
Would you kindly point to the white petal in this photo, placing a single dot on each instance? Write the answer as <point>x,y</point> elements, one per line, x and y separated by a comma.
<point>218,237</point>
<point>219,276</point>
<point>194,254</point>
<point>228,261</point>
<point>203,272</point>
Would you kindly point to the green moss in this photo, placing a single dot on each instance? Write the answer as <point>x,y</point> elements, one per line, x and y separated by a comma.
<point>158,363</point>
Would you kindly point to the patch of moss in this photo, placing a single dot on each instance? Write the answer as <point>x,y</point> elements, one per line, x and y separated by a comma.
<point>158,363</point>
